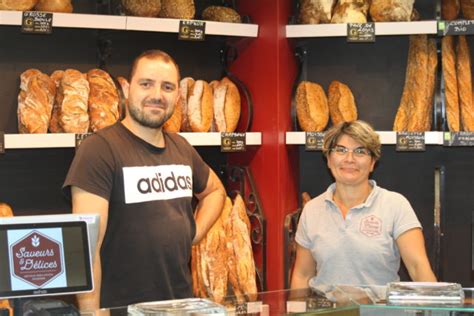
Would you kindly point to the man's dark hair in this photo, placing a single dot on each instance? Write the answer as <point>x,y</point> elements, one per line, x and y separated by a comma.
<point>153,54</point>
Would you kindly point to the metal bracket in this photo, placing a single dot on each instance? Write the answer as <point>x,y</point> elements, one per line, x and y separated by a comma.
<point>301,54</point>
<point>239,180</point>
<point>229,53</point>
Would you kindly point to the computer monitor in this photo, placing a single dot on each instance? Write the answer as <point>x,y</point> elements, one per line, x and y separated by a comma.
<point>45,255</point>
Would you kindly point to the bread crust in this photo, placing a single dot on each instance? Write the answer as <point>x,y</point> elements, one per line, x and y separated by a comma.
<point>450,9</point>
<point>200,107</point>
<point>5,210</point>
<point>467,7</point>
<point>342,106</point>
<point>177,9</point>
<point>221,14</point>
<point>351,11</point>
<point>173,124</point>
<point>74,90</point>
<point>312,108</point>
<point>227,106</point>
<point>17,5</point>
<point>464,78</point>
<point>54,125</point>
<point>451,84</point>
<point>145,8</point>
<point>391,10</point>
<point>316,11</point>
<point>185,89</point>
<point>35,102</point>
<point>103,102</point>
<point>64,6</point>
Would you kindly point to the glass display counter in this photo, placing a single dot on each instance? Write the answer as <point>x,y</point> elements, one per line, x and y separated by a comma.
<point>308,302</point>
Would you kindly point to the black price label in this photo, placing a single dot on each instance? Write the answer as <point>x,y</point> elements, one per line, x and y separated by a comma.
<point>458,139</point>
<point>459,27</point>
<point>190,30</point>
<point>2,142</point>
<point>233,142</point>
<point>314,141</point>
<point>37,22</point>
<point>80,138</point>
<point>361,32</point>
<point>241,309</point>
<point>410,141</point>
<point>315,303</point>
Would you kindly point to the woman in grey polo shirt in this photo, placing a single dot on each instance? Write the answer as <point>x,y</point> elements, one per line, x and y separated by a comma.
<point>356,232</point>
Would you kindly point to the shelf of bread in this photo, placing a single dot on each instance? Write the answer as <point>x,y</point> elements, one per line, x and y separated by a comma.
<point>172,26</point>
<point>130,23</point>
<point>381,29</point>
<point>68,140</point>
<point>386,138</point>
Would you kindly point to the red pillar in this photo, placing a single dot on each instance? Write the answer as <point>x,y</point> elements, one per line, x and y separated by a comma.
<point>268,69</point>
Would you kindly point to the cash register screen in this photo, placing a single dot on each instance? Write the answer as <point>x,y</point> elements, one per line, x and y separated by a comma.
<point>39,259</point>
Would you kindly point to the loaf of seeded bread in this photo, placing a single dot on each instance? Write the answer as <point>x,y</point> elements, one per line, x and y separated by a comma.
<point>312,108</point>
<point>221,14</point>
<point>342,107</point>
<point>177,9</point>
<point>145,8</point>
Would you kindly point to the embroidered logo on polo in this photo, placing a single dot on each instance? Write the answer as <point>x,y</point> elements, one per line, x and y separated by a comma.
<point>371,226</point>
<point>153,183</point>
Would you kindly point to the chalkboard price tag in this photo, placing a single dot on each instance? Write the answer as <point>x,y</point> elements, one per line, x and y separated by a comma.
<point>233,142</point>
<point>36,22</point>
<point>80,138</point>
<point>314,141</point>
<point>2,142</point>
<point>458,27</point>
<point>361,32</point>
<point>190,30</point>
<point>410,141</point>
<point>458,139</point>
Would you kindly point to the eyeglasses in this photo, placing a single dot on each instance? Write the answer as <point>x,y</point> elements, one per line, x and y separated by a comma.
<point>358,152</point>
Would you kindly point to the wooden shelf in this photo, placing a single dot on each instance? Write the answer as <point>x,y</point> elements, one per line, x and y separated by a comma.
<point>129,23</point>
<point>381,29</point>
<point>387,138</point>
<point>31,141</point>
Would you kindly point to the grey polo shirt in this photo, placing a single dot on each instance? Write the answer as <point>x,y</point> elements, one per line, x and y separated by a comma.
<point>360,249</point>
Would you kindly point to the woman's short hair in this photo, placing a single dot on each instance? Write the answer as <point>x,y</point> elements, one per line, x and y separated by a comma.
<point>360,131</point>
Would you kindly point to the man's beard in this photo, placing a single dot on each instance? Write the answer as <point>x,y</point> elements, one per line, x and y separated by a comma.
<point>148,120</point>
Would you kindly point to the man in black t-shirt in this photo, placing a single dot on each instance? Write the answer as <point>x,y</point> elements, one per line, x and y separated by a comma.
<point>141,180</point>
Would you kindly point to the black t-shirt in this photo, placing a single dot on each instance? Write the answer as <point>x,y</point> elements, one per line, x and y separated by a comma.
<point>147,244</point>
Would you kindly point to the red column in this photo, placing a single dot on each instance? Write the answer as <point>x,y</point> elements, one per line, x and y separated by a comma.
<point>268,69</point>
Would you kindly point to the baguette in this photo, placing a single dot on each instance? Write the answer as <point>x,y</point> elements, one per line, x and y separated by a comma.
<point>312,108</point>
<point>451,84</point>
<point>342,107</point>
<point>450,9</point>
<point>464,79</point>
<point>467,7</point>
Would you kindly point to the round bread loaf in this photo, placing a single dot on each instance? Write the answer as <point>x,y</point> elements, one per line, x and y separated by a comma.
<point>17,5</point>
<point>64,6</point>
<point>145,8</point>
<point>200,107</point>
<point>391,10</point>
<point>221,14</point>
<point>5,210</point>
<point>177,9</point>
<point>342,107</point>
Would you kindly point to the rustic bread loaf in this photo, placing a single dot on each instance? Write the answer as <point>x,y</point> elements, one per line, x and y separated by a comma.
<point>342,106</point>
<point>315,11</point>
<point>186,86</point>
<point>35,102</point>
<point>467,7</point>
<point>226,106</point>
<point>54,125</point>
<point>17,5</point>
<point>221,14</point>
<point>103,102</point>
<point>5,210</point>
<point>450,83</point>
<point>173,124</point>
<point>177,9</point>
<point>312,108</point>
<point>145,8</point>
<point>464,78</point>
<point>74,90</point>
<point>351,11</point>
<point>200,107</point>
<point>391,10</point>
<point>64,6</point>
<point>450,9</point>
